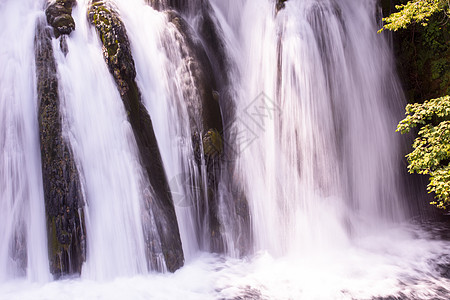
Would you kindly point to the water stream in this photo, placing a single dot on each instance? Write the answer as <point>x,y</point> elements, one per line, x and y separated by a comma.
<point>309,106</point>
<point>104,146</point>
<point>23,246</point>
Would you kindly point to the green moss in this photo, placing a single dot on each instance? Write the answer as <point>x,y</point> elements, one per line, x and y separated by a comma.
<point>111,33</point>
<point>212,143</point>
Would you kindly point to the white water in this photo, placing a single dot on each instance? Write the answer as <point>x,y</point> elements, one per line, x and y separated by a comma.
<point>155,79</point>
<point>164,80</point>
<point>402,262</point>
<point>318,165</point>
<point>319,158</point>
<point>23,246</point>
<point>107,156</point>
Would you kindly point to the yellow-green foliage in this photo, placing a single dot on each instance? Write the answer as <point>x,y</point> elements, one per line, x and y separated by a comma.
<point>431,154</point>
<point>414,12</point>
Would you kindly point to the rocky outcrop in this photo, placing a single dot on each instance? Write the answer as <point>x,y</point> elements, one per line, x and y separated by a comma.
<point>62,188</point>
<point>59,16</point>
<point>117,54</point>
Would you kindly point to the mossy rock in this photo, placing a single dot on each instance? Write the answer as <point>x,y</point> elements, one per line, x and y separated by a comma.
<point>64,24</point>
<point>118,57</point>
<point>115,42</point>
<point>62,188</point>
<point>59,16</point>
<point>212,144</point>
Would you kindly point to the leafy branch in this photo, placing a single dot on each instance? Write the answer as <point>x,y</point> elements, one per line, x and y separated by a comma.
<point>431,148</point>
<point>418,11</point>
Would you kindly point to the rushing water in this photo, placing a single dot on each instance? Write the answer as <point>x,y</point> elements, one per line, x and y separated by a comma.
<point>314,112</point>
<point>97,127</point>
<point>159,76</point>
<point>315,102</point>
<point>23,246</point>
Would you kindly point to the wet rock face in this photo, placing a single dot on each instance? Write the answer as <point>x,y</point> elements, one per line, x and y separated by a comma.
<point>62,188</point>
<point>59,16</point>
<point>280,5</point>
<point>206,124</point>
<point>204,55</point>
<point>117,54</point>
<point>206,106</point>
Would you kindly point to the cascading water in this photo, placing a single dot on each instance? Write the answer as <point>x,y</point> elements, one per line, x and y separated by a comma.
<point>309,104</point>
<point>104,146</point>
<point>23,246</point>
<point>176,95</point>
<point>163,98</point>
<point>321,147</point>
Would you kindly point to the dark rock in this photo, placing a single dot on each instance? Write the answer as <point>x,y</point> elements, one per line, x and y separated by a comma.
<point>63,44</point>
<point>208,62</point>
<point>211,34</point>
<point>280,5</point>
<point>62,188</point>
<point>117,54</point>
<point>59,16</point>
<point>206,114</point>
<point>178,5</point>
<point>204,53</point>
<point>236,205</point>
<point>156,4</point>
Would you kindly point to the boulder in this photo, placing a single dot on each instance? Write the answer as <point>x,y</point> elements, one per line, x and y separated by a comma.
<point>59,16</point>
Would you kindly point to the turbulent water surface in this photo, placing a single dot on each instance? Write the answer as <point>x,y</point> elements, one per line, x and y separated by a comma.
<point>309,102</point>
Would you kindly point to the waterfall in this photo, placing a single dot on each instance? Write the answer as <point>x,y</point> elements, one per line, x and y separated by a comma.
<point>316,124</point>
<point>159,85</point>
<point>260,133</point>
<point>107,157</point>
<point>23,245</point>
<point>173,98</point>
